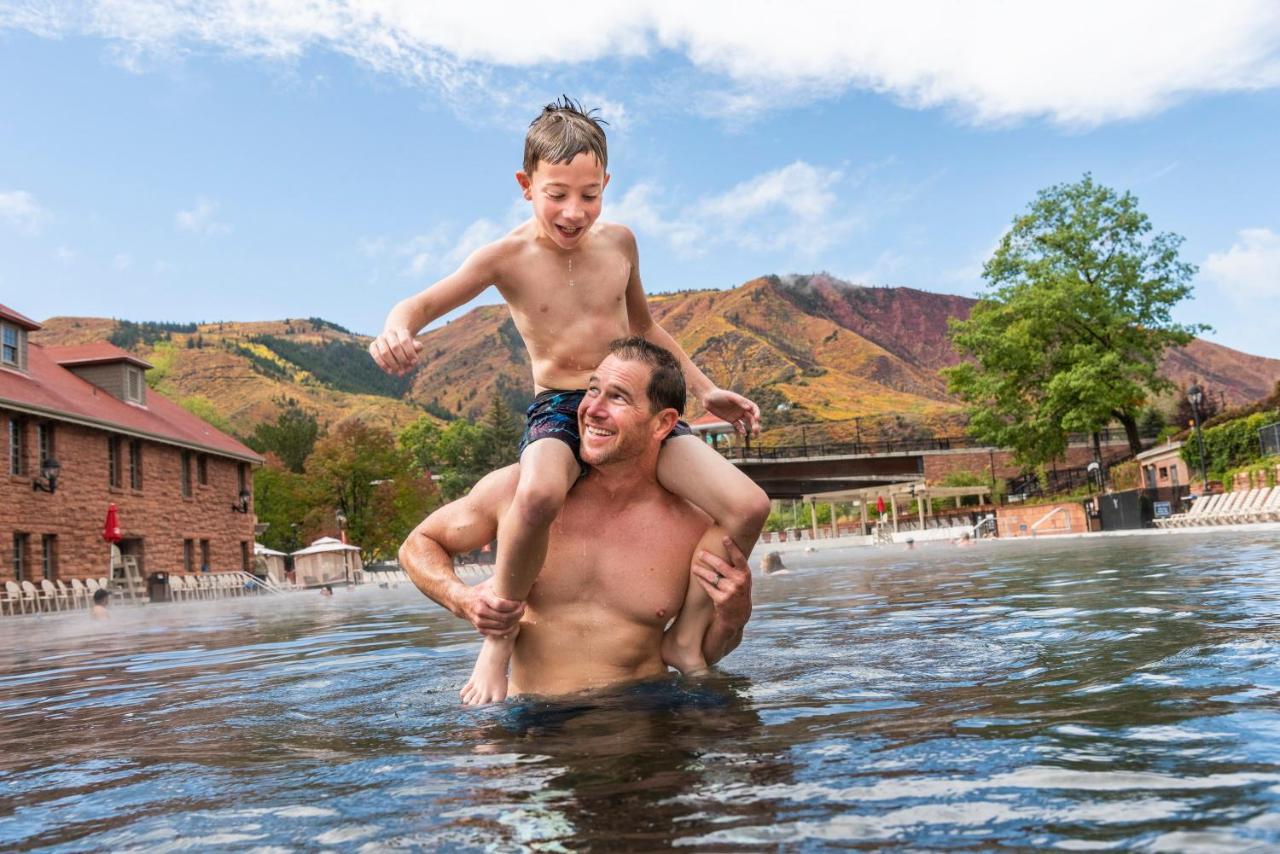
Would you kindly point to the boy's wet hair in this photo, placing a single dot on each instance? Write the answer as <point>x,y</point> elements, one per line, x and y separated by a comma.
<point>562,132</point>
<point>666,380</point>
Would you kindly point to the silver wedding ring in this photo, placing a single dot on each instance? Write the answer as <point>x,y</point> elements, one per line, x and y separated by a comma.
<point>716,583</point>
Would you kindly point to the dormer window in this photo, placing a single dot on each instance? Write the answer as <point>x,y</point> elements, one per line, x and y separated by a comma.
<point>133,383</point>
<point>11,345</point>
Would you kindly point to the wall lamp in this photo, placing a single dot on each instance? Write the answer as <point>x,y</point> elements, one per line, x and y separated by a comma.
<point>48,480</point>
<point>242,505</point>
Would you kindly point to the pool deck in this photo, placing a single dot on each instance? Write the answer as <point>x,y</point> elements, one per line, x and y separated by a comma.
<point>825,543</point>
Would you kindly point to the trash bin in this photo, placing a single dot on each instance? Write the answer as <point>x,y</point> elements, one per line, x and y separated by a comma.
<point>158,587</point>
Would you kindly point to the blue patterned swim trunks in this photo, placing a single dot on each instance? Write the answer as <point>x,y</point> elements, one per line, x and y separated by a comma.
<point>554,415</point>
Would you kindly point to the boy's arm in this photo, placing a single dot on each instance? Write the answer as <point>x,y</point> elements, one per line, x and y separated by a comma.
<point>463,525</point>
<point>396,349</point>
<point>731,406</point>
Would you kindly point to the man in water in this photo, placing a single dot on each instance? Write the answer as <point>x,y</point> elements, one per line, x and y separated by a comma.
<point>617,566</point>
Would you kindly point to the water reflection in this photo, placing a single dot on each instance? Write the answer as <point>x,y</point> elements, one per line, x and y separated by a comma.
<point>1073,694</point>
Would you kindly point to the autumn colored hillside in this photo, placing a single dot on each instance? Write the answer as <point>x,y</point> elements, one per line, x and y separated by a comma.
<point>813,351</point>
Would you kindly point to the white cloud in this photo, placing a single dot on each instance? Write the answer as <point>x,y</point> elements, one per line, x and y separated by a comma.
<point>201,219</point>
<point>122,262</point>
<point>1250,270</point>
<point>19,209</point>
<point>474,236</point>
<point>64,254</point>
<point>789,209</point>
<point>991,61</point>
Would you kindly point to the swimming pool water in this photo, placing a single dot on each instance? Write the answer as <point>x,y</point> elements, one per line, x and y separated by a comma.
<point>1079,694</point>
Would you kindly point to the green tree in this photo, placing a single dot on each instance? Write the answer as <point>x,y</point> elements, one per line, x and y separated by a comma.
<point>502,434</point>
<point>292,437</point>
<point>1070,332</point>
<point>282,499</point>
<point>360,470</point>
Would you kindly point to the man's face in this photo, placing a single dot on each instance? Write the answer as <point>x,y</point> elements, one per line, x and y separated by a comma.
<point>614,417</point>
<point>566,197</point>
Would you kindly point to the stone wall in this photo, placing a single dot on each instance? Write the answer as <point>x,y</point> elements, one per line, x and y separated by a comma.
<point>1016,520</point>
<point>158,515</point>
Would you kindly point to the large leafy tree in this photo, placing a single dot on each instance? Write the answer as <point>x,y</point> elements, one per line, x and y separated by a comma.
<point>1069,335</point>
<point>360,470</point>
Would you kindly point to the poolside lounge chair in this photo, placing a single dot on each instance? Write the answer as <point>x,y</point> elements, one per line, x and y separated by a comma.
<point>80,594</point>
<point>58,596</point>
<point>1200,508</point>
<point>177,589</point>
<point>1230,502</point>
<point>1249,505</point>
<point>10,597</point>
<point>1268,508</point>
<point>30,591</point>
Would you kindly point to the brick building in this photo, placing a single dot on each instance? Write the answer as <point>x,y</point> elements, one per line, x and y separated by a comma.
<point>183,489</point>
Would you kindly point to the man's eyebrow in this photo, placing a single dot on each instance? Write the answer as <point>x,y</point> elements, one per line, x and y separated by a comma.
<point>593,379</point>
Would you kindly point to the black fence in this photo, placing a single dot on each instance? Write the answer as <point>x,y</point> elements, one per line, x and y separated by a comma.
<point>1269,439</point>
<point>896,446</point>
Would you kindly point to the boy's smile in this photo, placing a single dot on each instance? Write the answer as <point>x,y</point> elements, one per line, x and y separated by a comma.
<point>566,198</point>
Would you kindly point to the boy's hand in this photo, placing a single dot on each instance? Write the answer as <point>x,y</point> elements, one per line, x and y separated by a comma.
<point>395,351</point>
<point>490,613</point>
<point>734,408</point>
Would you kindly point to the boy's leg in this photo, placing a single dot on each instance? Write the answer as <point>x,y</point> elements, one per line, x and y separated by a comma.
<point>739,508</point>
<point>682,643</point>
<point>548,469</point>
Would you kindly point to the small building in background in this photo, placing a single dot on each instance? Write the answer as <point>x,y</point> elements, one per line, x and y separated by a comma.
<point>327,561</point>
<point>1162,467</point>
<point>270,563</point>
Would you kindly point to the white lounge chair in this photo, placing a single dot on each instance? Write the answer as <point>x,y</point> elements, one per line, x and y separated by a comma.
<point>57,596</point>
<point>81,594</point>
<point>30,591</point>
<point>1230,501</point>
<point>1199,509</point>
<point>10,597</point>
<point>1268,507</point>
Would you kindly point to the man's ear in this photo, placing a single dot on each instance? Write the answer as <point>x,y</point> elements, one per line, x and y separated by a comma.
<point>526,184</point>
<point>664,422</point>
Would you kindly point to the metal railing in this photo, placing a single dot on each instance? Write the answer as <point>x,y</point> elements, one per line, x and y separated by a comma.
<point>1269,439</point>
<point>761,453</point>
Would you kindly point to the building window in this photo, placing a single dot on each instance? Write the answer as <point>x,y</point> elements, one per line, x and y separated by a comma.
<point>244,555</point>
<point>186,474</point>
<point>188,555</point>
<point>202,469</point>
<point>17,446</point>
<point>133,384</point>
<point>242,479</point>
<point>21,548</point>
<point>49,554</point>
<point>205,566</point>
<point>1164,473</point>
<point>44,440</point>
<point>9,352</point>
<point>113,462</point>
<point>135,465</point>
<point>1173,474</point>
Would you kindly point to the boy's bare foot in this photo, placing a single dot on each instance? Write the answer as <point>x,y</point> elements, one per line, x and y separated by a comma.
<point>488,682</point>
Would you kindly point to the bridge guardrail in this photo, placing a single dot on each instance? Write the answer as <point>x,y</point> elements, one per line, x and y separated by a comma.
<point>900,446</point>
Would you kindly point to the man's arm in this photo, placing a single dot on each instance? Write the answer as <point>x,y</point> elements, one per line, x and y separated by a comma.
<point>396,349</point>
<point>463,525</point>
<point>731,406</point>
<point>729,586</point>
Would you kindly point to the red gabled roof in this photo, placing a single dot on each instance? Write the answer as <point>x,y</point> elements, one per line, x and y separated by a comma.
<point>49,388</point>
<point>98,352</point>
<point>22,320</point>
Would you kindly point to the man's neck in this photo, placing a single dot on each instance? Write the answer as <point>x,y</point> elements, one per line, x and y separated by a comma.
<point>625,479</point>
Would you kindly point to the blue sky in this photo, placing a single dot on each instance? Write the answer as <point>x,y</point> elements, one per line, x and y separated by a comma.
<point>201,160</point>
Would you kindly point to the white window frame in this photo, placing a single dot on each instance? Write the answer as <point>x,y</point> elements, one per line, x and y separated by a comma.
<point>7,329</point>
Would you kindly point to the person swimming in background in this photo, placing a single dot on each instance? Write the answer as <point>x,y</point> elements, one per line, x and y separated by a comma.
<point>572,285</point>
<point>100,599</point>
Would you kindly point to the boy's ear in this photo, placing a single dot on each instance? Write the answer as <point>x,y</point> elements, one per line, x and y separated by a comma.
<point>526,184</point>
<point>606,181</point>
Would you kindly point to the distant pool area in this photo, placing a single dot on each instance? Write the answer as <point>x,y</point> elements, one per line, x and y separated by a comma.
<point>1098,693</point>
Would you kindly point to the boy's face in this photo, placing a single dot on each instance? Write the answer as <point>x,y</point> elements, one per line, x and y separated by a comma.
<point>566,197</point>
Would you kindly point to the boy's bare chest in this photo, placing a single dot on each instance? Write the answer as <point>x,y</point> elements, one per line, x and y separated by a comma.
<point>587,281</point>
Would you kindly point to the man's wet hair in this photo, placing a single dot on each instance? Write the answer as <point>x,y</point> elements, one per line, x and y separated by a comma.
<point>666,380</point>
<point>561,132</point>
<point>101,597</point>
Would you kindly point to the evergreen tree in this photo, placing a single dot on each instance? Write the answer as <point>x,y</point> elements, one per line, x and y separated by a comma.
<point>292,437</point>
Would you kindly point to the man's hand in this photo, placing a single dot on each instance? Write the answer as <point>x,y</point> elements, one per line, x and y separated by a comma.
<point>734,408</point>
<point>395,350</point>
<point>490,613</point>
<point>728,585</point>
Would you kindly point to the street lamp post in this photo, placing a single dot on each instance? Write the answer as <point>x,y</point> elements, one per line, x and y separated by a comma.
<point>1195,397</point>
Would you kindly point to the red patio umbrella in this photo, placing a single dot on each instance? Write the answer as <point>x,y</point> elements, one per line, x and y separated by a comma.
<point>111,529</point>
<point>879,504</point>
